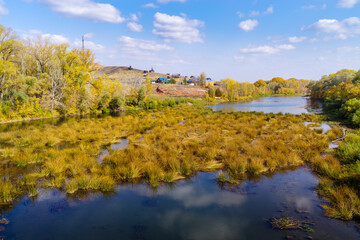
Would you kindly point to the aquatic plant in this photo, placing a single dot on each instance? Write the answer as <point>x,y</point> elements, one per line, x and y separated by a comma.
<point>285,223</point>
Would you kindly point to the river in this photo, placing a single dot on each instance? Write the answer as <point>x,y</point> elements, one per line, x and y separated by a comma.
<point>195,208</point>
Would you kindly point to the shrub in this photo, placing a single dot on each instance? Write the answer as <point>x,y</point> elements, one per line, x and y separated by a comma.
<point>116,103</point>
<point>103,102</point>
<point>349,151</point>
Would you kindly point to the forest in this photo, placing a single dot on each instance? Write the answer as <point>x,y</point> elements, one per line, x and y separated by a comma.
<point>340,94</point>
<point>233,90</point>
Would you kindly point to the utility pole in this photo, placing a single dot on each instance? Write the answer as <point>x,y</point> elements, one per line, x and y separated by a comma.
<point>83,43</point>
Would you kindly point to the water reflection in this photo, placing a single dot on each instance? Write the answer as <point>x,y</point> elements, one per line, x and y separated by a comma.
<point>292,105</point>
<point>190,209</point>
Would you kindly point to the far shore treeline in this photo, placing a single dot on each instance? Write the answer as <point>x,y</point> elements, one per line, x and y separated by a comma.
<point>42,79</point>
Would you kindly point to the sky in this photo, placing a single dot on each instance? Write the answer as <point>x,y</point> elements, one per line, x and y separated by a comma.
<point>245,40</point>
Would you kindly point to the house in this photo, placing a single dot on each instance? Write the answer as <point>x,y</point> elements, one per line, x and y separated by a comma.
<point>176,76</point>
<point>193,81</point>
<point>162,80</point>
<point>209,82</point>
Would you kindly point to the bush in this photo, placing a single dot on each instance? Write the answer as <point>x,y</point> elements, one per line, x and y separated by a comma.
<point>211,93</point>
<point>218,92</point>
<point>131,101</point>
<point>141,95</point>
<point>103,102</point>
<point>349,151</point>
<point>116,103</point>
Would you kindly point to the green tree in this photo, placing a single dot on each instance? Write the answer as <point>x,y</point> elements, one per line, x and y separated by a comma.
<point>203,79</point>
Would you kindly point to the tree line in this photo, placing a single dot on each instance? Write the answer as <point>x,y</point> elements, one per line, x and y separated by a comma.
<point>340,94</point>
<point>233,90</point>
<point>39,78</point>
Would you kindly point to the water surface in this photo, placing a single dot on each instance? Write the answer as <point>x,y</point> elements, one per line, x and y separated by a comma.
<point>292,105</point>
<point>190,209</point>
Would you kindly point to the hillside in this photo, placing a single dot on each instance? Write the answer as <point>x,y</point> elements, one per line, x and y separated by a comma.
<point>128,78</point>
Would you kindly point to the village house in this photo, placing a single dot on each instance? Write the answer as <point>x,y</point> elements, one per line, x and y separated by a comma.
<point>162,80</point>
<point>209,82</point>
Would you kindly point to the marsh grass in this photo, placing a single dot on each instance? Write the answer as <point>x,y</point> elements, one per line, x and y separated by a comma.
<point>160,149</point>
<point>285,223</point>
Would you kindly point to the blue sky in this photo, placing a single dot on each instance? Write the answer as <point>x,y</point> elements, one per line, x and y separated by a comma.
<point>245,40</point>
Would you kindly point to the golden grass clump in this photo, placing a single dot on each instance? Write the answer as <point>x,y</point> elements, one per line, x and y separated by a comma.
<point>164,146</point>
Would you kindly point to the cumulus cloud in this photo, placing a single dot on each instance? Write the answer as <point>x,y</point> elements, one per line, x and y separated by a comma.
<point>297,39</point>
<point>86,9</point>
<point>265,49</point>
<point>348,3</point>
<point>149,5</point>
<point>248,25</point>
<point>3,9</point>
<point>177,28</point>
<point>134,27</point>
<point>146,51</point>
<point>133,45</point>
<point>53,38</point>
<point>348,27</point>
<point>89,45</point>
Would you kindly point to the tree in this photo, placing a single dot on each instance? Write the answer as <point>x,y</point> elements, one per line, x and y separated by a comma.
<point>148,86</point>
<point>116,103</point>
<point>218,92</point>
<point>203,79</point>
<point>357,77</point>
<point>172,81</point>
<point>211,93</point>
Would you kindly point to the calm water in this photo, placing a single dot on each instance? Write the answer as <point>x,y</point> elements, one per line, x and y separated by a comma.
<point>293,105</point>
<point>193,209</point>
<point>197,208</point>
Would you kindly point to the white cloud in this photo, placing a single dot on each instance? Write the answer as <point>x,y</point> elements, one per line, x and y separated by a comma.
<point>349,49</point>
<point>269,10</point>
<point>89,35</point>
<point>134,17</point>
<point>285,47</point>
<point>87,9</point>
<point>348,3</point>
<point>134,27</point>
<point>133,45</point>
<point>248,25</point>
<point>149,5</point>
<point>265,49</point>
<point>3,10</point>
<point>177,28</point>
<point>297,39</point>
<point>168,1</point>
<point>141,50</point>
<point>89,45</point>
<point>53,38</point>
<point>254,14</point>
<point>348,27</point>
<point>240,14</point>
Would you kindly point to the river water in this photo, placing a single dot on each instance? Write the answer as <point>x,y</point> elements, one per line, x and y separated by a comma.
<point>196,208</point>
<point>292,105</point>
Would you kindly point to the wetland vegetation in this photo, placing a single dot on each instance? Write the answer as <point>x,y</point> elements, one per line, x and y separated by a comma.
<point>167,140</point>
